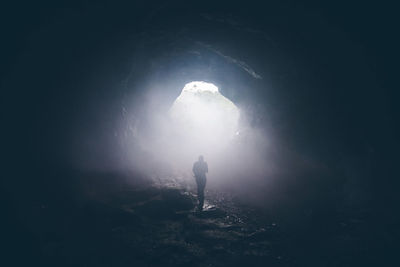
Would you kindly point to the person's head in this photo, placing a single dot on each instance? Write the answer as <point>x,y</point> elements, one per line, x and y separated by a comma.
<point>201,158</point>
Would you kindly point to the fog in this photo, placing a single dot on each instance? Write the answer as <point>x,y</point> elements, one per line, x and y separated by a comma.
<point>158,123</point>
<point>169,137</point>
<point>297,129</point>
<point>108,105</point>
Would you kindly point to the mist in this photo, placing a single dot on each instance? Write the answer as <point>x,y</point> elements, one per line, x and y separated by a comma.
<point>107,106</point>
<point>170,139</point>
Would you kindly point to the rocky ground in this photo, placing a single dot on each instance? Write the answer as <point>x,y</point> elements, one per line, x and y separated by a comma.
<point>157,225</point>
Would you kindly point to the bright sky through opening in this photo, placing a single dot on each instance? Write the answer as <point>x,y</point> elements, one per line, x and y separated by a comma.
<point>205,121</point>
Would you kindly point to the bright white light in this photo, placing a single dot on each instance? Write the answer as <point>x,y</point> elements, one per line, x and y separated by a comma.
<point>205,121</point>
<point>197,87</point>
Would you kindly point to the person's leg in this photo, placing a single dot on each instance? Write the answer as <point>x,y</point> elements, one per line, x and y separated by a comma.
<point>201,200</point>
<point>198,182</point>
<point>201,187</point>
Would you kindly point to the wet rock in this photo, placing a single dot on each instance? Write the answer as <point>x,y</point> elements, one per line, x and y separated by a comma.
<point>177,200</point>
<point>166,205</point>
<point>260,235</point>
<point>217,234</point>
<point>212,212</point>
<point>155,209</point>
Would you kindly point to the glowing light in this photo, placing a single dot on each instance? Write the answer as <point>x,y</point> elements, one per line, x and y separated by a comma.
<point>198,87</point>
<point>204,119</point>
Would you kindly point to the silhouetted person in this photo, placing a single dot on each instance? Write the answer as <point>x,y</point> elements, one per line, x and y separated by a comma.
<point>200,168</point>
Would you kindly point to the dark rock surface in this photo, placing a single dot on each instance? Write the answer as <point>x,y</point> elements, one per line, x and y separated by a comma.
<point>145,224</point>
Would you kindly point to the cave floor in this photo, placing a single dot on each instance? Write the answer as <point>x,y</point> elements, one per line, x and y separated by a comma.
<point>155,225</point>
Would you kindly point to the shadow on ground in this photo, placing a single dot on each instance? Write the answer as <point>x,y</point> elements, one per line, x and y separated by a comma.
<point>102,222</point>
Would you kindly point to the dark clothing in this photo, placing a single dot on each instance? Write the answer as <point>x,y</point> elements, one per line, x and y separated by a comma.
<point>201,184</point>
<point>200,168</point>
